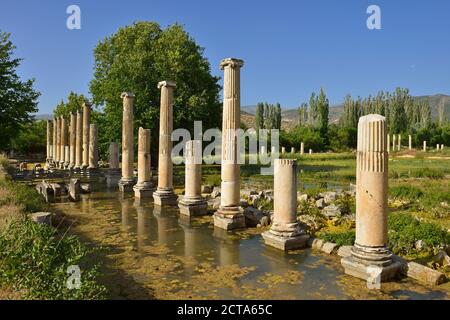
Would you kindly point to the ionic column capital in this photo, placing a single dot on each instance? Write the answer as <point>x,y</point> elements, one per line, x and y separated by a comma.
<point>231,62</point>
<point>127,95</point>
<point>166,83</point>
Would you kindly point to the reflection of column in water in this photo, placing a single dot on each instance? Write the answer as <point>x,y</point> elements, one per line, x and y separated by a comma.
<point>84,198</point>
<point>190,236</point>
<point>125,204</point>
<point>142,229</point>
<point>227,247</point>
<point>163,222</point>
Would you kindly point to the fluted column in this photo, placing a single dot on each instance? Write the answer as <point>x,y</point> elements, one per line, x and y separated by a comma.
<point>86,129</point>
<point>370,249</point>
<point>49,140</point>
<point>73,134</point>
<point>410,142</point>
<point>164,194</point>
<point>127,181</point>
<point>192,203</point>
<point>229,216</point>
<point>285,232</point>
<point>79,141</point>
<point>55,135</point>
<point>93,148</point>
<point>144,185</point>
<point>58,141</point>
<point>302,148</point>
<point>399,147</point>
<point>63,145</point>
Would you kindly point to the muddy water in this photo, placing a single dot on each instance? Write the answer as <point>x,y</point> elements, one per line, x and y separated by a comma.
<point>146,252</point>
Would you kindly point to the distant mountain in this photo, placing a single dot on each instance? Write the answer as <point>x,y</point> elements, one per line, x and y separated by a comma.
<point>290,115</point>
<point>43,117</point>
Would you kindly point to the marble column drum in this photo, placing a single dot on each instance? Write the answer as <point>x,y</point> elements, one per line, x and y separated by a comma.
<point>285,232</point>
<point>370,250</point>
<point>79,141</point>
<point>86,129</point>
<point>127,181</point>
<point>164,194</point>
<point>229,215</point>
<point>72,140</point>
<point>192,203</point>
<point>144,186</point>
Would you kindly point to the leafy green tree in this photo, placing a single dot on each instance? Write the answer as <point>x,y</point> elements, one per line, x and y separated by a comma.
<point>74,103</point>
<point>139,56</point>
<point>32,138</point>
<point>259,117</point>
<point>18,98</point>
<point>303,114</point>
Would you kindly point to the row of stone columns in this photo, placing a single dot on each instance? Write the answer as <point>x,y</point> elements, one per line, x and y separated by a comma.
<point>73,143</point>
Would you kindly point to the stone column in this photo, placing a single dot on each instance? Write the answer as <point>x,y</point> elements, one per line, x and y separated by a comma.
<point>302,148</point>
<point>73,133</point>
<point>399,148</point>
<point>229,215</point>
<point>370,251</point>
<point>93,148</point>
<point>86,129</point>
<point>49,140</point>
<point>144,186</point>
<point>437,147</point>
<point>58,141</point>
<point>283,150</point>
<point>114,173</point>
<point>388,143</point>
<point>292,150</point>
<point>410,142</point>
<point>263,150</point>
<point>424,146</point>
<point>442,147</point>
<point>79,141</point>
<point>62,158</point>
<point>310,151</point>
<point>164,194</point>
<point>55,134</point>
<point>127,181</point>
<point>285,232</point>
<point>394,142</point>
<point>192,203</point>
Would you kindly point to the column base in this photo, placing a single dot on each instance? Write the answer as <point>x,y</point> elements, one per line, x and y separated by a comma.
<point>285,236</point>
<point>229,218</point>
<point>143,190</point>
<point>365,259</point>
<point>165,197</point>
<point>126,185</point>
<point>285,243</point>
<point>193,206</point>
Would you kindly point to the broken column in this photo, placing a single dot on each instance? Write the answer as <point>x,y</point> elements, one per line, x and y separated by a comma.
<point>144,186</point>
<point>72,139</point>
<point>93,149</point>
<point>285,232</point>
<point>283,150</point>
<point>192,203</point>
<point>79,141</point>
<point>292,150</point>
<point>310,151</point>
<point>371,257</point>
<point>438,147</point>
<point>410,142</point>
<point>127,181</point>
<point>424,146</point>
<point>302,148</point>
<point>113,175</point>
<point>86,128</point>
<point>229,215</point>
<point>394,142</point>
<point>164,194</point>
<point>442,147</point>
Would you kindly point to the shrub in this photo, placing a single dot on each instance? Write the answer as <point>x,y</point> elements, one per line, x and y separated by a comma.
<point>34,259</point>
<point>347,204</point>
<point>345,238</point>
<point>21,195</point>
<point>406,192</point>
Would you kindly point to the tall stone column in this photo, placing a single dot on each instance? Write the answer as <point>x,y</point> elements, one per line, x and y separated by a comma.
<point>58,140</point>
<point>93,148</point>
<point>442,147</point>
<point>229,215</point>
<point>394,142</point>
<point>62,159</point>
<point>388,143</point>
<point>310,151</point>
<point>114,173</point>
<point>164,194</point>
<point>127,181</point>
<point>79,141</point>
<point>144,186</point>
<point>292,150</point>
<point>285,232</point>
<point>302,148</point>
<point>55,135</point>
<point>424,146</point>
<point>49,140</point>
<point>86,129</point>
<point>283,150</point>
<point>370,251</point>
<point>410,142</point>
<point>399,148</point>
<point>192,203</point>
<point>437,147</point>
<point>73,134</point>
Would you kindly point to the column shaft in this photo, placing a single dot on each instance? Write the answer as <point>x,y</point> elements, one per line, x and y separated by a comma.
<point>86,129</point>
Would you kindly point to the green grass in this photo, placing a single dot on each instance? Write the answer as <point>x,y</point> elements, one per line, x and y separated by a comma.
<point>21,195</point>
<point>344,238</point>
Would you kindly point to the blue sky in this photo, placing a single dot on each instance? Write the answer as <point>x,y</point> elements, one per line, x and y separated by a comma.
<point>290,48</point>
